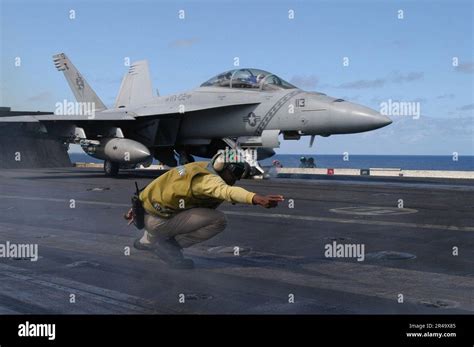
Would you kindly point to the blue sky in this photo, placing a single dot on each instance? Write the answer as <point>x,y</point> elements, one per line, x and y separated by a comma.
<point>389,58</point>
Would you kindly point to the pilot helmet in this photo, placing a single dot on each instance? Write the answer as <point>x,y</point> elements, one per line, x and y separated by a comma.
<point>239,169</point>
<point>260,77</point>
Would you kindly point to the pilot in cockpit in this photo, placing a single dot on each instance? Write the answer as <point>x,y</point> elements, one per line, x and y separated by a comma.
<point>225,80</point>
<point>255,80</point>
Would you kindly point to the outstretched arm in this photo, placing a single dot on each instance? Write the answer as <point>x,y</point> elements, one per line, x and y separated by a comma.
<point>214,186</point>
<point>267,201</point>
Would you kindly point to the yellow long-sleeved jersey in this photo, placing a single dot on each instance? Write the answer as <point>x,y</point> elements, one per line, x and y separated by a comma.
<point>188,186</point>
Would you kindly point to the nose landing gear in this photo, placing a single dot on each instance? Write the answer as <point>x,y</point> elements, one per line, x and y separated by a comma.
<point>111,168</point>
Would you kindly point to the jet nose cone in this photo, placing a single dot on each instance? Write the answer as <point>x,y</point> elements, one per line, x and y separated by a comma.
<point>373,118</point>
<point>353,118</point>
<point>385,120</point>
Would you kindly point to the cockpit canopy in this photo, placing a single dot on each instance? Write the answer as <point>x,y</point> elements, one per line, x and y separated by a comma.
<point>248,79</point>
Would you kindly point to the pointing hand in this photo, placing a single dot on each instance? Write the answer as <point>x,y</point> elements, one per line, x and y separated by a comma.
<point>267,201</point>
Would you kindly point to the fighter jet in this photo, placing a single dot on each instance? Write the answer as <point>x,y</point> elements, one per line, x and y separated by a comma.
<point>241,108</point>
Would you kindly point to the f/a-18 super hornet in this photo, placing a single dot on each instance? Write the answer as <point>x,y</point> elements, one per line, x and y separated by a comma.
<point>241,109</point>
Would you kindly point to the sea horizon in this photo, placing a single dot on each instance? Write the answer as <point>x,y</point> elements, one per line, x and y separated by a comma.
<point>355,161</point>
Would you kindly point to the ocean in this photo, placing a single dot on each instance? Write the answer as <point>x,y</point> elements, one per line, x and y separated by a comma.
<point>406,162</point>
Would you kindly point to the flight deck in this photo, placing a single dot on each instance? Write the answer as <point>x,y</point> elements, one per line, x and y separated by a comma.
<point>417,236</point>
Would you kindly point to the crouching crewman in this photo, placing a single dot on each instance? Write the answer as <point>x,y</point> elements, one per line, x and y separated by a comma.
<point>180,207</point>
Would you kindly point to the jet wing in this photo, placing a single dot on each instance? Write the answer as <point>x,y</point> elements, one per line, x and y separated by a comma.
<point>169,110</point>
<point>100,116</point>
<point>152,111</point>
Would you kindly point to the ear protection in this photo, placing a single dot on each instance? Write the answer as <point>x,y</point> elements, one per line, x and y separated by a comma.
<point>239,170</point>
<point>218,162</point>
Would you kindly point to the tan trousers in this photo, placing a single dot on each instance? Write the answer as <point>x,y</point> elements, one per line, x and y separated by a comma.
<point>188,227</point>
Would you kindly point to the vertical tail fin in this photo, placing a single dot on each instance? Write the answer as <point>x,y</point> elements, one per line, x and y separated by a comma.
<point>136,86</point>
<point>81,89</point>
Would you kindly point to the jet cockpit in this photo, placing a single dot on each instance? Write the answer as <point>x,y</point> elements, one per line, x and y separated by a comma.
<point>253,79</point>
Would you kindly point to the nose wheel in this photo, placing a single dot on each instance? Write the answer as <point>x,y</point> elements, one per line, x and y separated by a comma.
<point>111,169</point>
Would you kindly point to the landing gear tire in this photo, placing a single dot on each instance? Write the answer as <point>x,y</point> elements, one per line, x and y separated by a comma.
<point>111,169</point>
